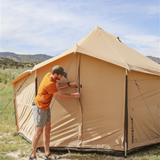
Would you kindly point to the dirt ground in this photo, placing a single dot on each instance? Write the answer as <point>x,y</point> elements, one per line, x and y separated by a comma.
<point>64,156</point>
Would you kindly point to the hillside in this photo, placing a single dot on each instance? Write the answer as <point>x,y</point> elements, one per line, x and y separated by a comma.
<point>24,58</point>
<point>11,69</point>
<point>9,63</point>
<point>156,59</point>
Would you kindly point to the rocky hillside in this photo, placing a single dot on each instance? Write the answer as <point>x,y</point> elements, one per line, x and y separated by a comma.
<point>24,58</point>
<point>156,59</point>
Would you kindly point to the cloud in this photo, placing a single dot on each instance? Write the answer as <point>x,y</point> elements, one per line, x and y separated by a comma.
<point>145,44</point>
<point>50,26</point>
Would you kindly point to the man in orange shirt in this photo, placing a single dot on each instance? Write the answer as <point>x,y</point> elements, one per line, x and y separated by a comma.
<point>48,88</point>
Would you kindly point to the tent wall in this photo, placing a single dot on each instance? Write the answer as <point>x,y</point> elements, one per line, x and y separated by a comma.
<point>65,114</point>
<point>103,102</point>
<point>141,127</point>
<point>23,106</point>
<point>100,124</point>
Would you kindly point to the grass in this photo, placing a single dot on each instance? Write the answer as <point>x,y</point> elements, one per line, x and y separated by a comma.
<point>3,157</point>
<point>7,116</point>
<point>8,74</point>
<point>12,143</point>
<point>6,94</point>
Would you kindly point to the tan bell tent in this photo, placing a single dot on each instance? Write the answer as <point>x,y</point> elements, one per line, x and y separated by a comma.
<point>119,108</point>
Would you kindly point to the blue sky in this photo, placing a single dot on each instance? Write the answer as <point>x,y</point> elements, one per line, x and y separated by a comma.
<point>53,26</point>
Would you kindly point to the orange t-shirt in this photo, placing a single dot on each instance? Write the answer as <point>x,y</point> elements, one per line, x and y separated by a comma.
<point>45,92</point>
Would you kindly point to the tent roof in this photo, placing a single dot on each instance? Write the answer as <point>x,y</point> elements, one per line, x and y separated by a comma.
<point>104,46</point>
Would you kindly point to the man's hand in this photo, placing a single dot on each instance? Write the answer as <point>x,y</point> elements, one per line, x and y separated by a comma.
<point>76,95</point>
<point>73,84</point>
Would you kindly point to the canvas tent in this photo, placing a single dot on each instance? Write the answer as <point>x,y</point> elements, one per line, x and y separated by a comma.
<point>112,114</point>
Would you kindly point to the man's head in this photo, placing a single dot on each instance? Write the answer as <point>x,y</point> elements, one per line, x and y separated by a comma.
<point>58,71</point>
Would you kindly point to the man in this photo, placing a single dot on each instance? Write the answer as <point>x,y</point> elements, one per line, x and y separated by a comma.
<point>48,88</point>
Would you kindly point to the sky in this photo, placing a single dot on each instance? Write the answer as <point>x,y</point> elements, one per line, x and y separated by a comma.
<point>53,26</point>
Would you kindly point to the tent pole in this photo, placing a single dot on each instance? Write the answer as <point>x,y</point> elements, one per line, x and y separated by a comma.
<point>35,83</point>
<point>15,109</point>
<point>126,118</point>
<point>80,138</point>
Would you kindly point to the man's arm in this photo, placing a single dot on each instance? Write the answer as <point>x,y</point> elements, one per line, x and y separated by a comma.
<point>65,85</point>
<point>67,96</point>
<point>61,85</point>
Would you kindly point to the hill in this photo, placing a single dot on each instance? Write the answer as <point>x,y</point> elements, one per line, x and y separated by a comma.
<point>25,58</point>
<point>9,63</point>
<point>156,59</point>
<point>11,69</point>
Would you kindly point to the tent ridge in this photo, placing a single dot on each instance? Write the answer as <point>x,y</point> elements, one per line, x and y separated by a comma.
<point>114,50</point>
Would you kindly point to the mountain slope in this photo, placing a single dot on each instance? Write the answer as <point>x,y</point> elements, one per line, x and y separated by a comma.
<point>24,58</point>
<point>5,54</point>
<point>156,59</point>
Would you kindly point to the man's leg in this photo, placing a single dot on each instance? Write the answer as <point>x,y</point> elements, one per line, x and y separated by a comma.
<point>46,140</point>
<point>35,140</point>
<point>46,137</point>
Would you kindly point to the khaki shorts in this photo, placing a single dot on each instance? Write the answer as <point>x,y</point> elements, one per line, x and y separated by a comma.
<point>41,117</point>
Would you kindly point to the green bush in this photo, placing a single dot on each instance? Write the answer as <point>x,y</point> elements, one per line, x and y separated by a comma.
<point>6,77</point>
